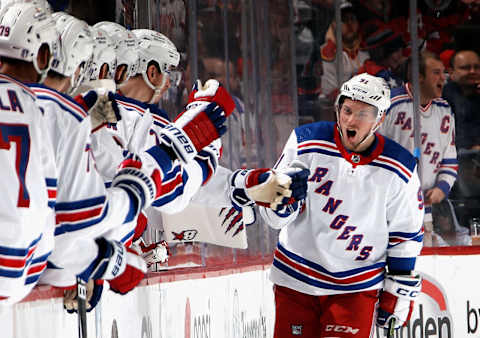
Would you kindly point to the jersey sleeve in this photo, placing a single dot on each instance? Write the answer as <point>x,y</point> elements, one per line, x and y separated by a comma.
<point>448,167</point>
<point>278,220</point>
<point>405,211</point>
<point>84,208</point>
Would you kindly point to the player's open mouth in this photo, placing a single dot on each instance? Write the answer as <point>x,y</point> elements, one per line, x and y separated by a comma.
<point>351,133</point>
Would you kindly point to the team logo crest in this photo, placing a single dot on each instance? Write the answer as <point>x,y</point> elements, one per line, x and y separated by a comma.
<point>355,158</point>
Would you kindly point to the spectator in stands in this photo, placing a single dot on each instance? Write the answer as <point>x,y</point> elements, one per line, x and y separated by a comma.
<point>463,94</point>
<point>387,59</point>
<point>438,169</point>
<point>352,56</point>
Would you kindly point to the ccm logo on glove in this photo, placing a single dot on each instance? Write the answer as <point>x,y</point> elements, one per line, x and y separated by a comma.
<point>405,292</point>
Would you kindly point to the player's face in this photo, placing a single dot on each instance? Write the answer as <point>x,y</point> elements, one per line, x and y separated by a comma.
<point>466,68</point>
<point>433,81</point>
<point>356,120</point>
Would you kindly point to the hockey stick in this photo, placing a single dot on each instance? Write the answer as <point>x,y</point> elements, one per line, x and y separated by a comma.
<point>82,307</point>
<point>391,328</point>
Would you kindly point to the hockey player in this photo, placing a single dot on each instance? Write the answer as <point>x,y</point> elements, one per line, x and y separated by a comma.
<point>358,230</point>
<point>86,211</point>
<point>28,172</point>
<point>438,154</point>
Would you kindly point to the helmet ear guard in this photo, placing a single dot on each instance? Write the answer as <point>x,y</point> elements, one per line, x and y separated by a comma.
<point>29,27</point>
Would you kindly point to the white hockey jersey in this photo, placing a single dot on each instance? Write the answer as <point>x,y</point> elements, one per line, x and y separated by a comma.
<point>28,191</point>
<point>362,212</point>
<point>85,209</point>
<point>438,153</point>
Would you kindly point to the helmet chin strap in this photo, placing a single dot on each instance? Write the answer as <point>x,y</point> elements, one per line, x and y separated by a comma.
<point>372,131</point>
<point>157,91</point>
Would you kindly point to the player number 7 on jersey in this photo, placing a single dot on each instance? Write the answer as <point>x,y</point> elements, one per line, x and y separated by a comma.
<point>19,135</point>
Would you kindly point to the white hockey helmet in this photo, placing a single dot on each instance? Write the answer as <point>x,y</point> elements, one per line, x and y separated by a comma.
<point>125,45</point>
<point>154,46</point>
<point>366,88</point>
<point>76,47</point>
<point>39,3</point>
<point>103,53</point>
<point>24,29</point>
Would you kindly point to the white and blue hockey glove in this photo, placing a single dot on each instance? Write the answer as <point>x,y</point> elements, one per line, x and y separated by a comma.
<point>270,188</point>
<point>202,122</point>
<point>397,299</point>
<point>122,267</point>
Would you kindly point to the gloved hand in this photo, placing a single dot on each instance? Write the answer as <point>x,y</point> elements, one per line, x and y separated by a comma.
<point>270,188</point>
<point>101,106</point>
<point>194,129</point>
<point>212,91</point>
<point>397,299</point>
<point>202,121</point>
<point>123,268</point>
<point>94,293</point>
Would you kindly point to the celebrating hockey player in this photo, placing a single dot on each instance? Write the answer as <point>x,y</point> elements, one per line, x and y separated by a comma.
<point>353,241</point>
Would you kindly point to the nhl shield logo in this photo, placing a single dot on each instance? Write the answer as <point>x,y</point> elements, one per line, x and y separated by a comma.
<point>297,330</point>
<point>355,158</point>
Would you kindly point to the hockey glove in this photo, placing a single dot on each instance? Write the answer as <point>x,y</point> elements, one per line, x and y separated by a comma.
<point>194,129</point>
<point>122,267</point>
<point>397,299</point>
<point>212,91</point>
<point>101,106</point>
<point>270,188</point>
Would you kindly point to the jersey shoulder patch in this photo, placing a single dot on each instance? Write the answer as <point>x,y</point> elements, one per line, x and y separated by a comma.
<point>394,151</point>
<point>322,130</point>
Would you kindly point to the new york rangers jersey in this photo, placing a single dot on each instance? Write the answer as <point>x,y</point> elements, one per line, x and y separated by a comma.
<point>438,154</point>
<point>28,188</point>
<point>362,212</point>
<point>84,209</point>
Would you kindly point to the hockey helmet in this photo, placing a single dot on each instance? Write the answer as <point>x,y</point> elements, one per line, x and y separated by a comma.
<point>24,28</point>
<point>125,46</point>
<point>76,47</point>
<point>154,46</point>
<point>103,53</point>
<point>366,88</point>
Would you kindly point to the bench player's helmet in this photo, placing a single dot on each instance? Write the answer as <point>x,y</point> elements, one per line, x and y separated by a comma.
<point>369,89</point>
<point>156,47</point>
<point>24,29</point>
<point>76,48</point>
<point>125,46</point>
<point>103,53</point>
